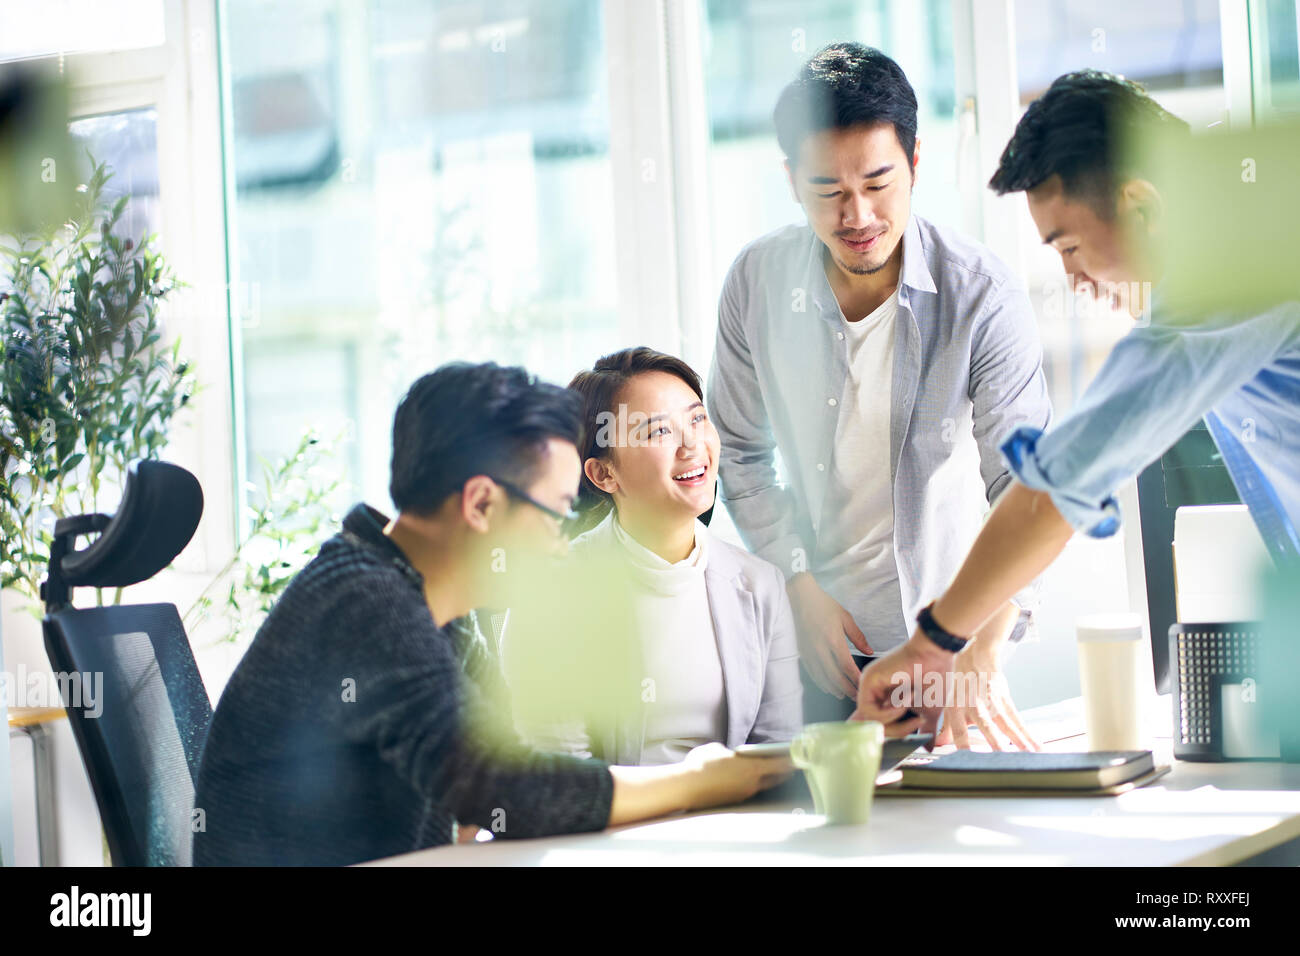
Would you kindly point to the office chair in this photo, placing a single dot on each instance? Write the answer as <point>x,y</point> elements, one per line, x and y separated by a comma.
<point>134,697</point>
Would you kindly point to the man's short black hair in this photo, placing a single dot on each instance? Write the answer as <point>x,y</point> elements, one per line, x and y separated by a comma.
<point>1084,129</point>
<point>463,420</point>
<point>843,85</point>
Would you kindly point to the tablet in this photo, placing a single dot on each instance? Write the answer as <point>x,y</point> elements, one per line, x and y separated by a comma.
<point>778,749</point>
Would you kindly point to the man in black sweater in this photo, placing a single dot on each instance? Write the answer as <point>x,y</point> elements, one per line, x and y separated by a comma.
<point>369,717</point>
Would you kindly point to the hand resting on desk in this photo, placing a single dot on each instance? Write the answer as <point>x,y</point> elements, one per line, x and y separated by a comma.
<point>710,776</point>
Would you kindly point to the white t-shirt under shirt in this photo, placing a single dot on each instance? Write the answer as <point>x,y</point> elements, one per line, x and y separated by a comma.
<point>679,648</point>
<point>855,544</point>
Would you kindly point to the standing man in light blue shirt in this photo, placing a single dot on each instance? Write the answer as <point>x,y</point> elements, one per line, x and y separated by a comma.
<point>883,359</point>
<point>1241,373</point>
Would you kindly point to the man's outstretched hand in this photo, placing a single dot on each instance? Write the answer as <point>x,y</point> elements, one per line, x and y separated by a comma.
<point>982,699</point>
<point>893,683</point>
<point>966,688</point>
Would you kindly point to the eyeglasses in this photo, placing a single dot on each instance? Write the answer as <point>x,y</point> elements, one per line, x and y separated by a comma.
<point>563,517</point>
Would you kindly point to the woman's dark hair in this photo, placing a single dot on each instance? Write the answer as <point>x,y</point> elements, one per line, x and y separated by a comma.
<point>1083,129</point>
<point>463,420</point>
<point>600,388</point>
<point>843,85</point>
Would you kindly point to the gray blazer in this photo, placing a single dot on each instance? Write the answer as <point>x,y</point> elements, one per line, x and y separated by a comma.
<point>754,628</point>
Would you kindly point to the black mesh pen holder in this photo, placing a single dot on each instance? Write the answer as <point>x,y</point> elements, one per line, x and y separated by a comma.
<point>1204,659</point>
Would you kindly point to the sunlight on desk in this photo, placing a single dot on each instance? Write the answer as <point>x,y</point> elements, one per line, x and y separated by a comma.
<point>744,828</point>
<point>982,836</point>
<point>1183,814</point>
<point>666,857</point>
<point>1209,799</point>
<point>1172,828</point>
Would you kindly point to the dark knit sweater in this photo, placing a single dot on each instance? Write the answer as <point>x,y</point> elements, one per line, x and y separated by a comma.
<point>354,728</point>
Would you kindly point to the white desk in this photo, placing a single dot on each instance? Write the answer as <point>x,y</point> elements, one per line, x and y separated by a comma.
<point>1198,815</point>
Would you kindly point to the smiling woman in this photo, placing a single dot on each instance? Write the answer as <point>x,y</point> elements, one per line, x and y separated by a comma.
<point>660,469</point>
<point>699,612</point>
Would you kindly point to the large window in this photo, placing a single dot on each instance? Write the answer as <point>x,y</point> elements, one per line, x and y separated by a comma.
<point>1172,47</point>
<point>413,183</point>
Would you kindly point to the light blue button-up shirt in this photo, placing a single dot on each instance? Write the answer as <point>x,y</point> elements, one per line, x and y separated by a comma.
<point>1241,374</point>
<point>967,370</point>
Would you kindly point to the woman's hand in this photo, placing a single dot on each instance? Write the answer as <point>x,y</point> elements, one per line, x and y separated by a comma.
<point>709,776</point>
<point>722,778</point>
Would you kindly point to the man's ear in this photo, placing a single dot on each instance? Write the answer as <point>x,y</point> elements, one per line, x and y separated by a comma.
<point>789,175</point>
<point>479,500</point>
<point>916,157</point>
<point>599,474</point>
<point>1139,198</point>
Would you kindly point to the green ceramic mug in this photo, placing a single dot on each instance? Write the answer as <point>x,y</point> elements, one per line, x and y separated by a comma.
<point>840,761</point>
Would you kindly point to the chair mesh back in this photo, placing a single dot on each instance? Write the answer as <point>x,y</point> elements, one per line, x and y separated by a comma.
<point>140,715</point>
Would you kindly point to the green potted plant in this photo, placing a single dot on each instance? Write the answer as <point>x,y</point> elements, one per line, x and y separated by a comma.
<point>87,385</point>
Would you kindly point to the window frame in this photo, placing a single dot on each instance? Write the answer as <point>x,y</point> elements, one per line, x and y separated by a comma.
<point>179,81</point>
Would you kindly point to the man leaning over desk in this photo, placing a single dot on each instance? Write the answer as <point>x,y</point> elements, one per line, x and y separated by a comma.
<point>1104,215</point>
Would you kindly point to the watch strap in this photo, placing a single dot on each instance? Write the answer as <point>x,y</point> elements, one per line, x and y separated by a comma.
<point>945,639</point>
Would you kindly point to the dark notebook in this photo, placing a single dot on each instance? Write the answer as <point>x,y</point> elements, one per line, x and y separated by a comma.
<point>1016,770</point>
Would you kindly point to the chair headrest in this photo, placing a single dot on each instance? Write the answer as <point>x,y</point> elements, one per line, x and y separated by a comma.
<point>159,512</point>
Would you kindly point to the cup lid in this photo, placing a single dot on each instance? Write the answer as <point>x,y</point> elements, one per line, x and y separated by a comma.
<point>1124,626</point>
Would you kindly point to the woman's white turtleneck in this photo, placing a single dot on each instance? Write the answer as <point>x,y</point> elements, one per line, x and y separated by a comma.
<point>685,699</point>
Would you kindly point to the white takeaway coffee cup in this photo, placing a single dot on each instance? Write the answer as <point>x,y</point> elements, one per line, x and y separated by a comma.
<point>1112,657</point>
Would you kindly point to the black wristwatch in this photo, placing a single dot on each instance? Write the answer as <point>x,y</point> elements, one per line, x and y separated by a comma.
<point>949,642</point>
